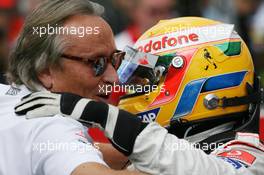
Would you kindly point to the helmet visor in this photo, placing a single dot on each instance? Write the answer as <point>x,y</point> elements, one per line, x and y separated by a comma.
<point>140,71</point>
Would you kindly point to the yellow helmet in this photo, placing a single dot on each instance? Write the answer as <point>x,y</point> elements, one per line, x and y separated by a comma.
<point>185,70</point>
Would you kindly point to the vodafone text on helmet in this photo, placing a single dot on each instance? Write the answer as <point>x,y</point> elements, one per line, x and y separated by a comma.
<point>168,41</point>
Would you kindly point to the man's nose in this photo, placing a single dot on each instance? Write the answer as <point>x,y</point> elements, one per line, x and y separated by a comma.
<point>110,75</point>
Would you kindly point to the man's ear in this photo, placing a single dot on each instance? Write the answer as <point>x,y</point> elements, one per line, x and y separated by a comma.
<point>45,78</point>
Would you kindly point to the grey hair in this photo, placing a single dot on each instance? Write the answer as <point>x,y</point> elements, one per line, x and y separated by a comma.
<point>32,53</point>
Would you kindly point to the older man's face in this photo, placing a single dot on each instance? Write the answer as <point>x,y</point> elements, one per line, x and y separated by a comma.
<point>78,77</point>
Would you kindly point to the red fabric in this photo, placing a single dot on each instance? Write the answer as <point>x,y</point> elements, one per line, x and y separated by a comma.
<point>134,32</point>
<point>7,4</point>
<point>261,129</point>
<point>15,28</point>
<point>97,135</point>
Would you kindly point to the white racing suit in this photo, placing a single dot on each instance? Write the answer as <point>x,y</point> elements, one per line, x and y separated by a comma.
<point>158,152</point>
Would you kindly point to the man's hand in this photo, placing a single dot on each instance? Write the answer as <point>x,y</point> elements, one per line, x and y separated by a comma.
<point>120,126</point>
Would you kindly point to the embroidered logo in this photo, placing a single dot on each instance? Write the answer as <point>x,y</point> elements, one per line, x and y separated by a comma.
<point>13,91</point>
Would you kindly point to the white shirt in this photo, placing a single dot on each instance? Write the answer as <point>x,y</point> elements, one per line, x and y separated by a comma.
<point>43,146</point>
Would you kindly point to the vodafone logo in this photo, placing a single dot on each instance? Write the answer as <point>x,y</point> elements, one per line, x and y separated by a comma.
<point>234,153</point>
<point>185,38</point>
<point>240,155</point>
<point>168,42</point>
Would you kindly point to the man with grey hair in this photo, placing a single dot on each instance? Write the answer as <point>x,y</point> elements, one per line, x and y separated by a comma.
<point>65,46</point>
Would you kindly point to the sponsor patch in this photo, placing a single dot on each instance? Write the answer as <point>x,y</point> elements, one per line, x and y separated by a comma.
<point>184,38</point>
<point>234,163</point>
<point>149,116</point>
<point>240,155</point>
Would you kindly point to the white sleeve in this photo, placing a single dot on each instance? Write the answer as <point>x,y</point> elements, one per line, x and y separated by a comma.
<point>158,152</point>
<point>59,146</point>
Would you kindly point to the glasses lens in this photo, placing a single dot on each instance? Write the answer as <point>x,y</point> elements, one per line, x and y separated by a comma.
<point>117,59</point>
<point>99,66</point>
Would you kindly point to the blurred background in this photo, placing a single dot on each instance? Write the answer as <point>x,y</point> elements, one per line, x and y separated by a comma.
<point>130,18</point>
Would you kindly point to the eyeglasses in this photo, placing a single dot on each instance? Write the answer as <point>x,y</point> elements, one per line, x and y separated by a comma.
<point>99,65</point>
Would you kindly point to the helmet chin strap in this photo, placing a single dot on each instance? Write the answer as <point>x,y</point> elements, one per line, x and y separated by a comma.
<point>208,133</point>
<point>255,96</point>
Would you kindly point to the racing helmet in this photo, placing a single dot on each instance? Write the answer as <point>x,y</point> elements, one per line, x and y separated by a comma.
<point>188,70</point>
